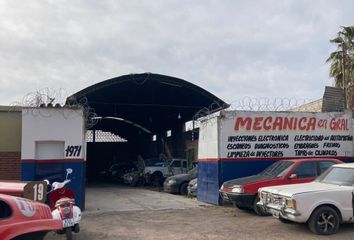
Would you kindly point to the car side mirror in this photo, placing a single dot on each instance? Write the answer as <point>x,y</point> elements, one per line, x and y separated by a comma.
<point>292,176</point>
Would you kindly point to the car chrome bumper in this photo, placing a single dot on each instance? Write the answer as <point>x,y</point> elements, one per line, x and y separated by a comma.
<point>192,191</point>
<point>280,211</point>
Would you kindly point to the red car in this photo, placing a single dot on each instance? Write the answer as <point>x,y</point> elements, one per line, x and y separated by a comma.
<point>242,192</point>
<point>14,188</point>
<point>22,219</point>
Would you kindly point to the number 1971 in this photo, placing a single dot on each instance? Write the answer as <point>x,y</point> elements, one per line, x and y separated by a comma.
<point>73,151</point>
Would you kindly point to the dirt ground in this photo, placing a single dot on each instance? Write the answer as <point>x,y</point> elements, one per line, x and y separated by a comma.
<point>193,224</point>
<point>189,219</point>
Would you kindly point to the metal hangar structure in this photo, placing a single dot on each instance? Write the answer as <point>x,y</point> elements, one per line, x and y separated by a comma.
<point>148,112</point>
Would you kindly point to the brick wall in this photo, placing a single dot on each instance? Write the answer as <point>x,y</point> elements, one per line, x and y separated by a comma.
<point>10,166</point>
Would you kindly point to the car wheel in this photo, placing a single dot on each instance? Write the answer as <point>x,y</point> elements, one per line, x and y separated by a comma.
<point>77,228</point>
<point>183,189</point>
<point>259,210</point>
<point>141,182</point>
<point>68,233</point>
<point>324,221</point>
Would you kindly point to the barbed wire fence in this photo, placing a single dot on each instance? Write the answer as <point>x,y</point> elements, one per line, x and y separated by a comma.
<point>260,104</point>
<point>36,102</point>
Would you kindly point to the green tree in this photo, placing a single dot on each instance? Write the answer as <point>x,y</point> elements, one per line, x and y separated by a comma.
<point>342,60</point>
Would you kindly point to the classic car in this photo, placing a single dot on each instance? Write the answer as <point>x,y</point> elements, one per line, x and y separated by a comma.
<point>179,183</point>
<point>34,190</point>
<point>24,219</point>
<point>323,204</point>
<point>192,187</point>
<point>242,192</point>
<point>15,188</point>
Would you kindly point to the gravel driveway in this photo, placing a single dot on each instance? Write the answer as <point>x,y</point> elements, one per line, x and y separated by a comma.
<point>155,215</point>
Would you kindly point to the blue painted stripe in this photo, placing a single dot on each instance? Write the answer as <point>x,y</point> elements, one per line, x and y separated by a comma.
<point>37,170</point>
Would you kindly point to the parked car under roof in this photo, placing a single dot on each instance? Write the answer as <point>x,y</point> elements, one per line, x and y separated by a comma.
<point>179,183</point>
<point>193,187</point>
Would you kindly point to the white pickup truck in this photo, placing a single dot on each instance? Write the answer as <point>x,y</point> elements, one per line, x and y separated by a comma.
<point>154,171</point>
<point>323,204</point>
<point>157,170</point>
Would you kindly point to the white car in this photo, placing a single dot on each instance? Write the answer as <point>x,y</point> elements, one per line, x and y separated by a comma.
<point>154,171</point>
<point>323,204</point>
<point>158,170</point>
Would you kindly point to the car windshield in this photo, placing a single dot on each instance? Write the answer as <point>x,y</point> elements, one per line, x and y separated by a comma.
<point>338,176</point>
<point>153,162</point>
<point>277,169</point>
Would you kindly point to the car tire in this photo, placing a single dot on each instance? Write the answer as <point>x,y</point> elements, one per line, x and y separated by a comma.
<point>324,221</point>
<point>183,189</point>
<point>141,182</point>
<point>68,233</point>
<point>76,228</point>
<point>259,210</point>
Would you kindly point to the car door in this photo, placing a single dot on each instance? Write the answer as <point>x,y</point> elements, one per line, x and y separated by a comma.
<point>184,166</point>
<point>176,166</point>
<point>305,172</point>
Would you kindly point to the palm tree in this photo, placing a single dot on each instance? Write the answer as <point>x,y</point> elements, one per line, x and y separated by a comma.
<point>342,60</point>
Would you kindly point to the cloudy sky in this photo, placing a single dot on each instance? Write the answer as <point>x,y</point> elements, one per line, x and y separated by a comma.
<point>232,48</point>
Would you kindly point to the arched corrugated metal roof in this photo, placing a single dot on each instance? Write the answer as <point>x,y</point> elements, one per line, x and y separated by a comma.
<point>154,101</point>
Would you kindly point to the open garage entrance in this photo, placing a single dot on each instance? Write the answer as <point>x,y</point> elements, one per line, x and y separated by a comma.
<point>142,115</point>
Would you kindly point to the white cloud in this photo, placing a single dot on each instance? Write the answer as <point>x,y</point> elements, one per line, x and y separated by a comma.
<point>231,48</point>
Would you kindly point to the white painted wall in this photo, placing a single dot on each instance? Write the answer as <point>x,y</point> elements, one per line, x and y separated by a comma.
<point>246,142</point>
<point>50,150</point>
<point>43,125</point>
<point>208,139</point>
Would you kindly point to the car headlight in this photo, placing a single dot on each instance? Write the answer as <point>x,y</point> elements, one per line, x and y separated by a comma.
<point>263,196</point>
<point>195,185</point>
<point>237,189</point>
<point>290,203</point>
<point>171,181</point>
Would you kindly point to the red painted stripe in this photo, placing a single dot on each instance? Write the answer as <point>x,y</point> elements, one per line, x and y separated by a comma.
<point>52,160</point>
<point>266,159</point>
<point>208,160</point>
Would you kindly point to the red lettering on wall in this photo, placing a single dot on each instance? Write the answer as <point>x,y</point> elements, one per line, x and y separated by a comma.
<point>278,123</point>
<point>288,123</point>
<point>257,123</point>
<point>267,123</point>
<point>311,125</point>
<point>241,123</point>
<point>302,123</point>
